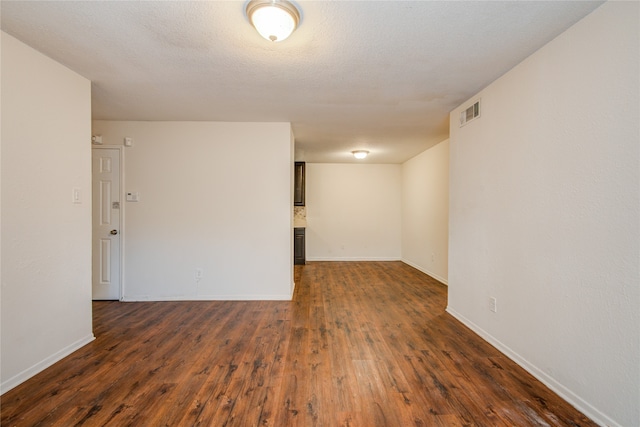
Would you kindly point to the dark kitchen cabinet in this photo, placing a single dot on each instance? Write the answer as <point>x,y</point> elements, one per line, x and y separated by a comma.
<point>298,189</point>
<point>298,246</point>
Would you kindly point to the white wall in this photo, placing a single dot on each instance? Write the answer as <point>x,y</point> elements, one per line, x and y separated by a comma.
<point>216,196</point>
<point>45,238</point>
<point>425,211</point>
<point>353,212</point>
<point>544,215</point>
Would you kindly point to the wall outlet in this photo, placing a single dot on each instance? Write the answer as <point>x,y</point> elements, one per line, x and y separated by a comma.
<point>493,304</point>
<point>199,273</point>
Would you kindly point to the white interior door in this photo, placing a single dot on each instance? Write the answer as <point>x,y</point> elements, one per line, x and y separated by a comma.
<point>106,223</point>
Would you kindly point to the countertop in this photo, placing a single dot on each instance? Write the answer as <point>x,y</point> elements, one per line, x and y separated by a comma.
<point>299,223</point>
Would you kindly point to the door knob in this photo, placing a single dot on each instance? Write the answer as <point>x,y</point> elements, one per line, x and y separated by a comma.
<point>113,232</point>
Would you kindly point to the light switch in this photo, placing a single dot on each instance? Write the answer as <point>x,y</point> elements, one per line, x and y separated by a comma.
<point>76,195</point>
<point>128,142</point>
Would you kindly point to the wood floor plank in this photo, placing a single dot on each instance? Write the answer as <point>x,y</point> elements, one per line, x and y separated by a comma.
<point>361,344</point>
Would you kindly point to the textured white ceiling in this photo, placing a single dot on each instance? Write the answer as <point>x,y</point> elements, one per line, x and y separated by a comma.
<point>375,75</point>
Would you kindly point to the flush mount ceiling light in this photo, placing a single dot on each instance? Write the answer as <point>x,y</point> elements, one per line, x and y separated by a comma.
<point>275,20</point>
<point>360,154</point>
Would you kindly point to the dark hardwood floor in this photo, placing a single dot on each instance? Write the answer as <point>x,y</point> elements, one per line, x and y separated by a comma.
<point>361,344</point>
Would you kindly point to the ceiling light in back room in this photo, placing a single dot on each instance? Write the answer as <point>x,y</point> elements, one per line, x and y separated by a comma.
<point>360,154</point>
<point>275,20</point>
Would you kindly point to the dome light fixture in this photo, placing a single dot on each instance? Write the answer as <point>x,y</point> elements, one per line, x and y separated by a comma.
<point>275,20</point>
<point>360,154</point>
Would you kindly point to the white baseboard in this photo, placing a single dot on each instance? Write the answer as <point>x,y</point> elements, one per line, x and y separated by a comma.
<point>427,272</point>
<point>562,391</point>
<point>353,259</point>
<point>44,364</point>
<point>147,298</point>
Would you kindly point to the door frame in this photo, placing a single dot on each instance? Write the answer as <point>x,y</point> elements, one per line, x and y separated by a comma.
<point>120,214</point>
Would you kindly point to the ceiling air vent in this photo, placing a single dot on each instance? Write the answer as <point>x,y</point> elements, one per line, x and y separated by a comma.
<point>471,113</point>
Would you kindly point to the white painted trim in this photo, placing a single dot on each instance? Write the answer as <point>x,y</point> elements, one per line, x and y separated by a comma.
<point>121,213</point>
<point>353,259</point>
<point>569,396</point>
<point>147,298</point>
<point>44,364</point>
<point>427,272</point>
